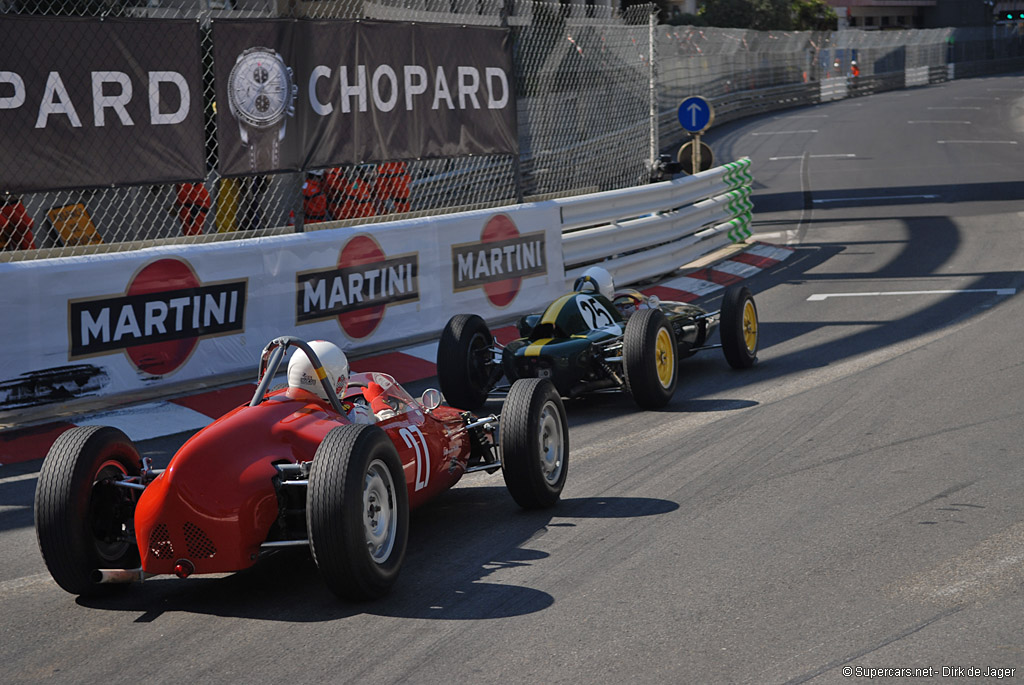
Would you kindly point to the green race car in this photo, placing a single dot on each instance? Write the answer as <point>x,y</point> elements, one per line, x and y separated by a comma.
<point>594,339</point>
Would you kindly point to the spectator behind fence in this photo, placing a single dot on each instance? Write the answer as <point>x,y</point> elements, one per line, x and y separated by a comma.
<point>392,188</point>
<point>15,225</point>
<point>193,203</point>
<point>314,200</point>
<point>350,194</point>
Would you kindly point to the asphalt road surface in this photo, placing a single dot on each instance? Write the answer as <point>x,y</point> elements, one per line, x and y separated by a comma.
<point>853,502</point>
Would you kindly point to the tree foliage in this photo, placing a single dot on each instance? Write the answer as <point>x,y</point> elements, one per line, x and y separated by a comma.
<point>770,15</point>
<point>814,15</point>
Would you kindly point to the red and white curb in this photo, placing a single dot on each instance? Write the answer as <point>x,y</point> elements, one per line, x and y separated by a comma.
<point>188,414</point>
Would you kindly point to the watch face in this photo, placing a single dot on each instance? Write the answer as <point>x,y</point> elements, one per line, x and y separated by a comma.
<point>260,88</point>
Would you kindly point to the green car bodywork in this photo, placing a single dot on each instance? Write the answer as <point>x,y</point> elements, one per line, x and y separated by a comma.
<point>584,341</point>
<point>566,343</point>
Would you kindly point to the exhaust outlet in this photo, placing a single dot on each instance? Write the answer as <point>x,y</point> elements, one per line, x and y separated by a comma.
<point>118,575</point>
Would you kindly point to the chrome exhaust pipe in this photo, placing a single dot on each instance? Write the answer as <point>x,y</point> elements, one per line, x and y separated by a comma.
<point>118,575</point>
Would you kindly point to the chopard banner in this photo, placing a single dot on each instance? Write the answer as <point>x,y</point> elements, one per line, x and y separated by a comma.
<point>86,103</point>
<point>312,94</point>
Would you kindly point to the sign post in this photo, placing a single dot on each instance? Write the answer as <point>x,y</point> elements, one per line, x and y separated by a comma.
<point>696,115</point>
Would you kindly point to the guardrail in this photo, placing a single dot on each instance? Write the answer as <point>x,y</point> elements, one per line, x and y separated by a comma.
<point>641,233</point>
<point>985,67</point>
<point>746,103</point>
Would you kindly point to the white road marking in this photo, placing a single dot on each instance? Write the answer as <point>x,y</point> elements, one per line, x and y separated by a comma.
<point>998,291</point>
<point>843,155</point>
<point>978,142</point>
<point>874,197</point>
<point>771,252</point>
<point>782,133</point>
<point>695,286</point>
<point>152,420</point>
<point>936,121</point>
<point>992,566</point>
<point>8,586</point>
<point>964,107</point>
<point>16,479</point>
<point>426,352</point>
<point>736,268</point>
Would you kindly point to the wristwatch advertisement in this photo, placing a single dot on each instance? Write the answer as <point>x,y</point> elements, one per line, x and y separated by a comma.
<point>261,97</point>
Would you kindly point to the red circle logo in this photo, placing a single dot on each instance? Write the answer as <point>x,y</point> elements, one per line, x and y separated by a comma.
<point>163,275</point>
<point>359,251</point>
<point>501,293</point>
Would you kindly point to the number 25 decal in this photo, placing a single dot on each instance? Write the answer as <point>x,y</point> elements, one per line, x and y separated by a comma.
<point>594,312</point>
<point>415,439</point>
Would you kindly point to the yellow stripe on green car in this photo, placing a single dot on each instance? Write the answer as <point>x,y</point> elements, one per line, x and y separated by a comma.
<point>551,315</point>
<point>533,349</point>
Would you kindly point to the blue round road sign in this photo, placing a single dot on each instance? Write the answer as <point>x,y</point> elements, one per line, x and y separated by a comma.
<point>696,114</point>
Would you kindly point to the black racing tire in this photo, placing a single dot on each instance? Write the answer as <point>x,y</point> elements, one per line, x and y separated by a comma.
<point>534,437</point>
<point>84,523</point>
<point>465,368</point>
<point>357,512</point>
<point>650,358</point>
<point>738,327</point>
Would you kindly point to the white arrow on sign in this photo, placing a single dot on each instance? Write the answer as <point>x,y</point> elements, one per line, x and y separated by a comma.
<point>694,108</point>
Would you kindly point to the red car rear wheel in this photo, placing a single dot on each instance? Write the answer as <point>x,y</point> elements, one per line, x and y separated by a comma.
<point>83,522</point>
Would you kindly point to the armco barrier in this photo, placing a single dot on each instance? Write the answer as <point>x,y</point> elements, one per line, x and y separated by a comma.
<point>96,330</point>
<point>645,232</point>
<point>745,103</point>
<point>985,67</point>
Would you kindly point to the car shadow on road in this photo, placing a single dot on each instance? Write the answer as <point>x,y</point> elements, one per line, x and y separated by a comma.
<point>707,373</point>
<point>458,545</point>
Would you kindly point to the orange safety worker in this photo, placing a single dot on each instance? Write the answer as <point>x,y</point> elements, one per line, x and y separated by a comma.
<point>193,204</point>
<point>351,198</point>
<point>335,192</point>
<point>314,202</point>
<point>15,226</point>
<point>854,69</point>
<point>393,188</point>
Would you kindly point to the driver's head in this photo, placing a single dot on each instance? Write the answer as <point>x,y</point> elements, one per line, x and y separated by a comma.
<point>596,280</point>
<point>301,373</point>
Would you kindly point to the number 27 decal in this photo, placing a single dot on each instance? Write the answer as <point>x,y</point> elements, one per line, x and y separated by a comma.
<point>415,439</point>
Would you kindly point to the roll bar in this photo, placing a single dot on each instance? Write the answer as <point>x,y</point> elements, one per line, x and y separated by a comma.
<point>270,362</point>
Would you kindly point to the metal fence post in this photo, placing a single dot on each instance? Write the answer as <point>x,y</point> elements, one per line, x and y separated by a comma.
<point>652,24</point>
<point>300,212</point>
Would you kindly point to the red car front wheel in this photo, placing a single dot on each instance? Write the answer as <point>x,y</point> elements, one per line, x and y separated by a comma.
<point>357,512</point>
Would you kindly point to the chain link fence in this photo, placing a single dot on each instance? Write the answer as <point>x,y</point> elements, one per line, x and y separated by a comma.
<point>716,63</point>
<point>592,84</point>
<point>583,74</point>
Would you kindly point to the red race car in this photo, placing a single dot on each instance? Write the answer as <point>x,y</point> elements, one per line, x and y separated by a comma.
<point>336,470</point>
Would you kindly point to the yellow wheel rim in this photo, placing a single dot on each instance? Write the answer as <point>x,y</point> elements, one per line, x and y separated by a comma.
<point>750,326</point>
<point>665,358</point>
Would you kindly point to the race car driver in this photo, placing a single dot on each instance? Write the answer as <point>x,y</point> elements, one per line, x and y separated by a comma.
<point>302,375</point>
<point>597,280</point>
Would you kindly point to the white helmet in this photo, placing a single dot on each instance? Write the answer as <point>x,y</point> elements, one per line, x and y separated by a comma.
<point>301,373</point>
<point>595,279</point>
